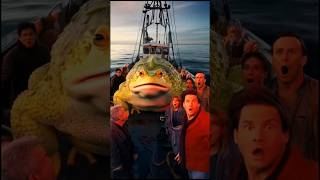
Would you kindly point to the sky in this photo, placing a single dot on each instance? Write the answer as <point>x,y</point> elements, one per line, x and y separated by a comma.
<point>192,19</point>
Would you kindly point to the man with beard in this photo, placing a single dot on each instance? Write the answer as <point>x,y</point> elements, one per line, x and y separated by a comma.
<point>297,91</point>
<point>262,134</point>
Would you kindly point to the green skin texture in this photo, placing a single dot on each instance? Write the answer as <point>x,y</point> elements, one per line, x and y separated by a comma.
<point>150,65</point>
<point>50,105</point>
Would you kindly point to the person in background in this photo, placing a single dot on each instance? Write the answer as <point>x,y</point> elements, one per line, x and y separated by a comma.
<point>175,116</point>
<point>262,133</point>
<point>18,64</point>
<point>219,138</point>
<point>256,69</point>
<point>175,119</point>
<point>121,145</point>
<point>237,43</point>
<point>203,91</point>
<point>24,158</point>
<point>189,84</point>
<point>115,82</point>
<point>297,91</point>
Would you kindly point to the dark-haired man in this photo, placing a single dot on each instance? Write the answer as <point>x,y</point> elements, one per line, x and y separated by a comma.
<point>195,149</point>
<point>20,62</point>
<point>115,81</point>
<point>297,91</point>
<point>255,68</point>
<point>262,134</point>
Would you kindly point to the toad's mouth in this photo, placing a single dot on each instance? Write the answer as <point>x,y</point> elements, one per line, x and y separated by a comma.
<point>150,90</point>
<point>91,77</point>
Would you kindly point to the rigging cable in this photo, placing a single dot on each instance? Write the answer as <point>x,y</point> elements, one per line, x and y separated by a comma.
<point>135,46</point>
<point>175,34</point>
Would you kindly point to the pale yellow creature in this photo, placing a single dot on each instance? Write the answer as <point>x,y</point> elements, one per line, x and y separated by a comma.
<point>69,95</point>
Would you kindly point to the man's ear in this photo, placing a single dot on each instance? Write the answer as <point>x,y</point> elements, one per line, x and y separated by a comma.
<point>304,60</point>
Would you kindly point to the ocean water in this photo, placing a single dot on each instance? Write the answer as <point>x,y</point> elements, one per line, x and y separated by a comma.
<point>263,17</point>
<point>193,57</point>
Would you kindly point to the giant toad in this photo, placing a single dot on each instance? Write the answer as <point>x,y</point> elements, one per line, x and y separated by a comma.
<point>69,94</point>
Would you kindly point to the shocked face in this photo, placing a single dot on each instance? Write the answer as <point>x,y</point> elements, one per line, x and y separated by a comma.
<point>200,80</point>
<point>175,103</point>
<point>254,73</point>
<point>288,59</point>
<point>191,105</point>
<point>260,137</point>
<point>189,84</point>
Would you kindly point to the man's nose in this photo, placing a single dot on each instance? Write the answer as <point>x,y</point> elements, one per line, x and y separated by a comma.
<point>257,134</point>
<point>285,56</point>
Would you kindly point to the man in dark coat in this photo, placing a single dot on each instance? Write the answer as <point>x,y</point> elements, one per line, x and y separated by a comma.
<point>21,61</point>
<point>115,81</point>
<point>122,147</point>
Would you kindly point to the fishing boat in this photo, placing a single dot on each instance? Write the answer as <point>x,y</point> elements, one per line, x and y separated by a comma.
<point>156,14</point>
<point>158,36</point>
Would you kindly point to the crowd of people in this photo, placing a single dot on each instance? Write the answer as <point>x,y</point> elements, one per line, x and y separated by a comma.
<point>268,131</point>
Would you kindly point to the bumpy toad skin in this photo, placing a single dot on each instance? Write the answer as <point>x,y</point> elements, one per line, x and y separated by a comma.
<point>69,94</point>
<point>149,85</point>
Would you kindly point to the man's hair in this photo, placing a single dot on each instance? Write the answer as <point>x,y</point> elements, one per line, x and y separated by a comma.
<point>178,97</point>
<point>201,73</point>
<point>118,69</point>
<point>116,111</point>
<point>263,60</point>
<point>257,55</point>
<point>26,25</point>
<point>294,35</point>
<point>251,96</point>
<point>189,78</point>
<point>190,92</point>
<point>17,160</point>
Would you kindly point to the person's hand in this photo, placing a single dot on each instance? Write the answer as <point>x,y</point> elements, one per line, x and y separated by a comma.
<point>250,46</point>
<point>178,158</point>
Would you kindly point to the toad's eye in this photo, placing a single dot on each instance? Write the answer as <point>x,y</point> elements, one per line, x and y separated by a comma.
<point>159,73</point>
<point>141,73</point>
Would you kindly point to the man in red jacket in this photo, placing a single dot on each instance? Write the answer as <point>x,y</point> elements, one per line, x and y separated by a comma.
<point>195,151</point>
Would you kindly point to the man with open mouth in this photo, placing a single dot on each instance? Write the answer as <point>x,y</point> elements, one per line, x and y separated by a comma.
<point>255,69</point>
<point>297,91</point>
<point>195,150</point>
<point>262,133</point>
